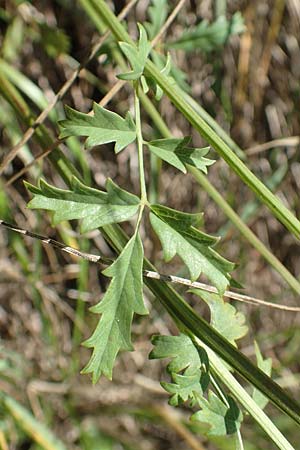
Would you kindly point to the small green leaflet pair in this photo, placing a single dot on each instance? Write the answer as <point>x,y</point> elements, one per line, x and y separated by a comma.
<point>137,56</point>
<point>106,126</point>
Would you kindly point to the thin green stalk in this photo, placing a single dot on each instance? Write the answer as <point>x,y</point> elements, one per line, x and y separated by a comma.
<point>14,98</point>
<point>171,90</point>
<point>239,440</point>
<point>139,139</point>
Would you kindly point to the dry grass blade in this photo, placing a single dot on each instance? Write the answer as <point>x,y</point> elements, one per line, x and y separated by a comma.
<point>99,259</point>
<point>284,142</point>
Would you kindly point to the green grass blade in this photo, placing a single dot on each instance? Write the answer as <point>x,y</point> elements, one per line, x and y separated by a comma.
<point>32,427</point>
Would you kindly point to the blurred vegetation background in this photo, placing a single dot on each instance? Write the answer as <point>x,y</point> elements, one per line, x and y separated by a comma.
<point>248,81</point>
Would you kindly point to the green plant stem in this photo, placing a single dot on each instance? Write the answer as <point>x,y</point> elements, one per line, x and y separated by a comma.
<point>14,98</point>
<point>170,89</point>
<point>139,139</point>
<point>92,13</point>
<point>239,441</point>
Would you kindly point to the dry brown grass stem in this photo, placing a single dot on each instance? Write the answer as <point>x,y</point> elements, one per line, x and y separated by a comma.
<point>284,142</point>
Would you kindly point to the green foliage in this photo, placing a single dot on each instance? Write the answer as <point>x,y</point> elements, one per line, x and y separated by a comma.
<point>177,153</point>
<point>96,208</point>
<point>224,317</point>
<point>193,246</point>
<point>165,66</point>
<point>266,366</point>
<point>188,359</point>
<point>222,418</point>
<point>189,371</point>
<point>185,355</point>
<point>136,55</point>
<point>103,127</point>
<point>123,298</point>
<point>208,37</point>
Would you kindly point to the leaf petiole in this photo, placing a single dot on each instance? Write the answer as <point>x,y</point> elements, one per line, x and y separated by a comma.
<point>139,139</point>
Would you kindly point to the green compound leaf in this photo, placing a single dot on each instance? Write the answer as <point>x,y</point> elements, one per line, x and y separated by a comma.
<point>103,127</point>
<point>208,37</point>
<point>224,317</point>
<point>177,153</point>
<point>266,366</point>
<point>194,247</point>
<point>222,419</point>
<point>136,55</point>
<point>188,359</point>
<point>123,298</point>
<point>96,208</point>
